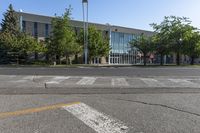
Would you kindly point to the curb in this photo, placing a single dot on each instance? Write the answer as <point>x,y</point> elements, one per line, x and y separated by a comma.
<point>94,90</point>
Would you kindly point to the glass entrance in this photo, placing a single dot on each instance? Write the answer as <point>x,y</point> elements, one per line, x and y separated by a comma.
<point>121,51</point>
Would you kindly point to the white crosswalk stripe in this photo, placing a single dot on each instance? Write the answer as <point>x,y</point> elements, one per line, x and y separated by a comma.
<point>86,81</point>
<point>57,80</point>
<point>96,120</point>
<point>119,82</point>
<point>28,77</point>
<point>19,81</point>
<point>184,82</point>
<point>12,76</point>
<point>152,82</point>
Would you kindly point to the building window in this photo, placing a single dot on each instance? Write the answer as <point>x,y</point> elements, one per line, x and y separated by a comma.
<point>47,30</point>
<point>35,30</point>
<point>24,26</point>
<point>76,30</point>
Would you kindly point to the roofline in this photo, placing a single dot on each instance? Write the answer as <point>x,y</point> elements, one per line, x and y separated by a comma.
<point>89,22</point>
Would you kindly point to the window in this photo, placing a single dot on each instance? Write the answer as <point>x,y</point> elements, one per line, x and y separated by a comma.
<point>46,30</point>
<point>76,30</point>
<point>24,26</point>
<point>35,30</point>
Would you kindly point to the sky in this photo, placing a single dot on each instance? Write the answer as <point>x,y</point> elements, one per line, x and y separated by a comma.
<point>127,13</point>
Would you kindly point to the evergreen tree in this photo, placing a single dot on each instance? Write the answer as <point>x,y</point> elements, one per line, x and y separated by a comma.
<point>10,21</point>
<point>15,45</point>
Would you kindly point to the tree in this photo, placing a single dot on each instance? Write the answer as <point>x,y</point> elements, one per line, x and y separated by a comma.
<point>63,39</point>
<point>10,21</point>
<point>72,47</point>
<point>173,28</point>
<point>144,44</point>
<point>160,45</point>
<point>6,41</point>
<point>104,47</point>
<point>15,45</point>
<point>191,43</point>
<point>98,45</point>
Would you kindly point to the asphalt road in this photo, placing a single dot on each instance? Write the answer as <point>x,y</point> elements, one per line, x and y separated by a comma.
<point>133,113</point>
<point>134,100</point>
<point>32,84</point>
<point>103,71</point>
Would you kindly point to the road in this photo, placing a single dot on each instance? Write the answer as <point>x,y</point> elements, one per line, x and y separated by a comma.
<point>100,100</point>
<point>130,113</point>
<point>103,71</point>
<point>36,84</point>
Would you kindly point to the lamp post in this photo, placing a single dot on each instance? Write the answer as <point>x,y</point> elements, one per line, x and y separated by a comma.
<point>20,20</point>
<point>178,53</point>
<point>180,40</point>
<point>85,28</point>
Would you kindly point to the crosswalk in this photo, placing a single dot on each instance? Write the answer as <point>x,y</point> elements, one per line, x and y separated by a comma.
<point>193,82</point>
<point>86,81</point>
<point>98,121</point>
<point>119,82</point>
<point>152,82</point>
<point>57,80</point>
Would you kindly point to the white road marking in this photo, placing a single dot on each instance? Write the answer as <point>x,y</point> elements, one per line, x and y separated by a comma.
<point>184,82</point>
<point>152,82</point>
<point>57,80</point>
<point>12,76</point>
<point>86,81</point>
<point>22,79</point>
<point>119,82</point>
<point>51,82</point>
<point>28,78</point>
<point>19,81</point>
<point>96,120</point>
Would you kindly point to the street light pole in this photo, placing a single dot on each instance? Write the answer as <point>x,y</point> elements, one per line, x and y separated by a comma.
<point>85,28</point>
<point>21,20</point>
<point>178,54</point>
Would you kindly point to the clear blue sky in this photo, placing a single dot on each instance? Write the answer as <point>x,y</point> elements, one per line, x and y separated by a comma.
<point>130,13</point>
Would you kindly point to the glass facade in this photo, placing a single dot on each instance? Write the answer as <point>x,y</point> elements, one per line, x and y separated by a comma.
<point>121,52</point>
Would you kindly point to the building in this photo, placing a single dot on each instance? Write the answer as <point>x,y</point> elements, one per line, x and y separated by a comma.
<point>121,53</point>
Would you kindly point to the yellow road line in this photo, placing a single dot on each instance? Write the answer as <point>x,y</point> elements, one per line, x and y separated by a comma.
<point>34,110</point>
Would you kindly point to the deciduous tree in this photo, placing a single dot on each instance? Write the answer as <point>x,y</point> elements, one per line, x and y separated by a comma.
<point>98,44</point>
<point>144,44</point>
<point>63,39</point>
<point>191,43</point>
<point>174,29</point>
